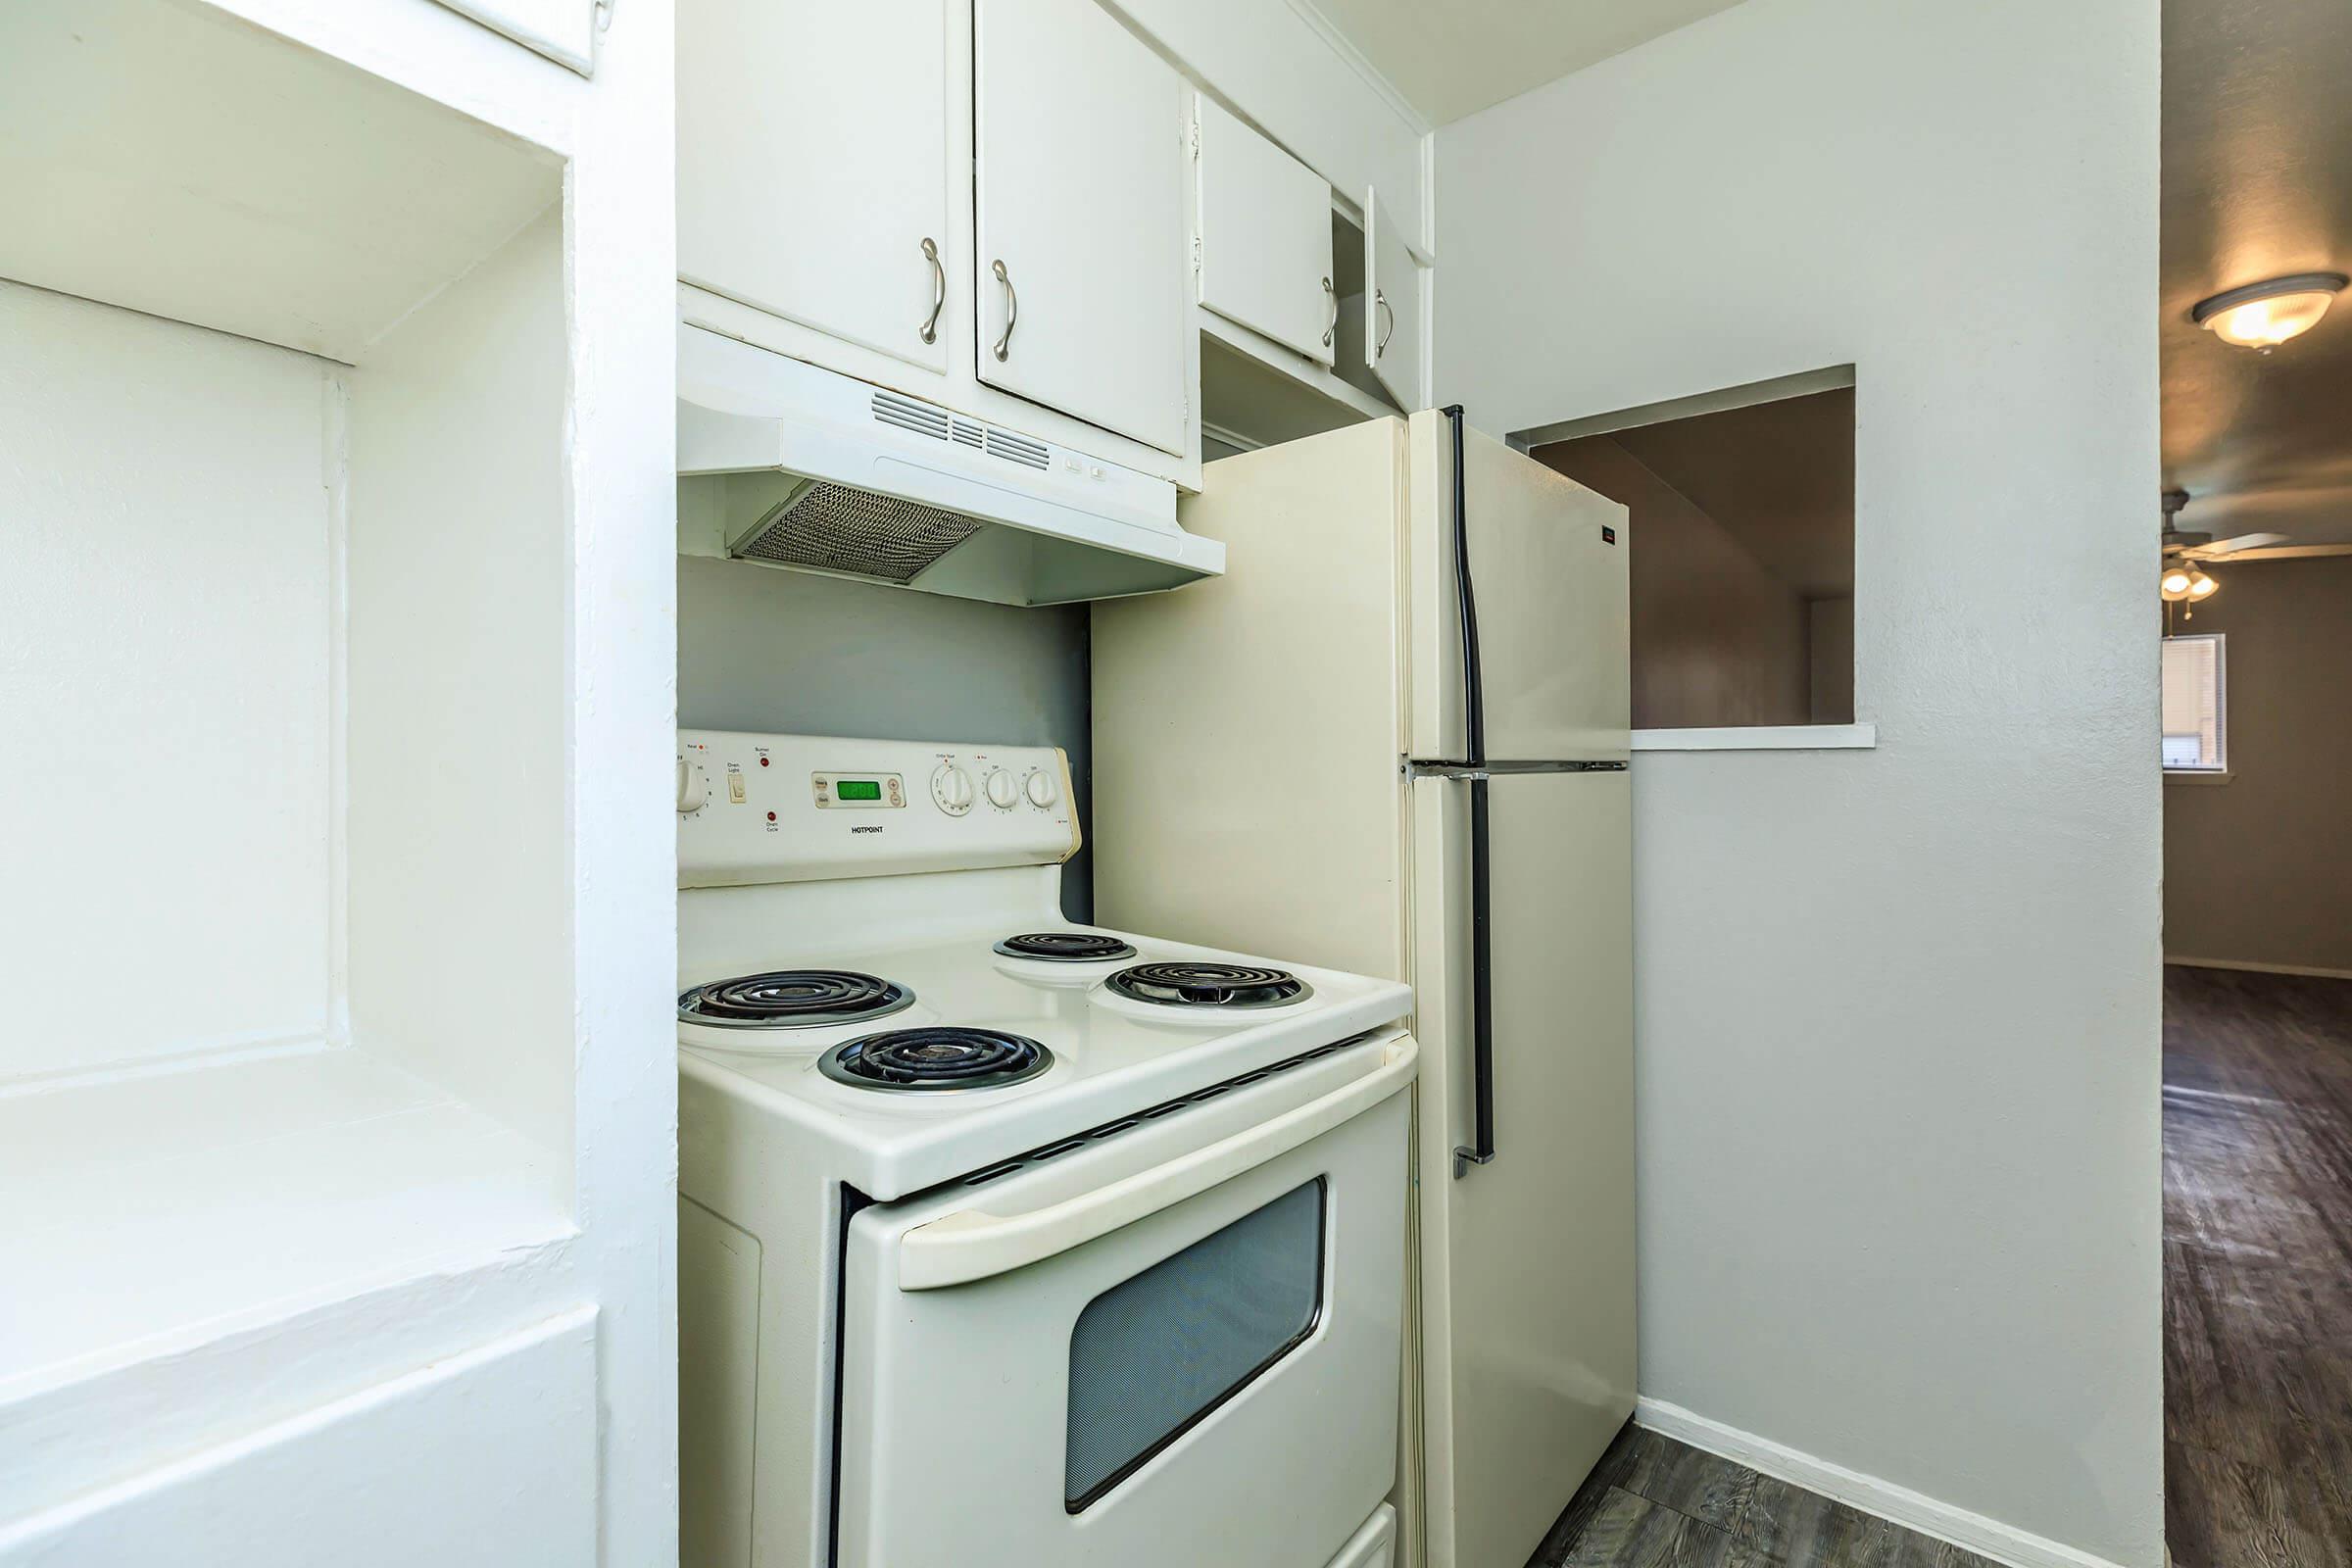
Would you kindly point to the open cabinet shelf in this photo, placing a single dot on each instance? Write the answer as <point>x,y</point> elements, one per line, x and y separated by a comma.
<point>287,1006</point>
<point>177,1206</point>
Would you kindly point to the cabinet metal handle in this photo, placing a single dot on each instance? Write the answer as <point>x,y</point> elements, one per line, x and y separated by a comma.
<point>1381,302</point>
<point>938,291</point>
<point>1012,308</point>
<point>1332,325</point>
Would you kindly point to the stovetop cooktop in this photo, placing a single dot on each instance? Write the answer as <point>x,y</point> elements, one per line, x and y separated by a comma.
<point>988,1052</point>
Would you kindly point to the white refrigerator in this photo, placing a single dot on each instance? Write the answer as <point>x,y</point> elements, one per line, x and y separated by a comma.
<point>1394,738</point>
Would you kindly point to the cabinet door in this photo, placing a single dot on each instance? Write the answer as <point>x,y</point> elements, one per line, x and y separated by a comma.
<point>1392,305</point>
<point>812,164</point>
<point>560,29</point>
<point>1081,262</point>
<point>1265,237</point>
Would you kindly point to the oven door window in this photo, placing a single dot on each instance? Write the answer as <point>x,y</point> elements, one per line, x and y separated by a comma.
<point>1154,1353</point>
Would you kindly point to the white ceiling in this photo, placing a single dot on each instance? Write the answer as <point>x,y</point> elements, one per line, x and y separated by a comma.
<point>1451,58</point>
<point>2257,182</point>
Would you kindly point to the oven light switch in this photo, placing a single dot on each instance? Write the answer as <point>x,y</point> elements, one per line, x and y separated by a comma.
<point>735,790</point>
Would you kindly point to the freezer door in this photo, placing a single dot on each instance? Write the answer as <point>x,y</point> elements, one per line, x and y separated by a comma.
<point>1548,579</point>
<point>1527,1263</point>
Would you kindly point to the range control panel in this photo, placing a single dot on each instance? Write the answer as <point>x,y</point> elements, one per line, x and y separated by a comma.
<point>758,807</point>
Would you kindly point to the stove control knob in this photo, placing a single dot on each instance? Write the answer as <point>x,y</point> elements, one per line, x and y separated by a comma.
<point>1002,789</point>
<point>694,787</point>
<point>1041,789</point>
<point>952,789</point>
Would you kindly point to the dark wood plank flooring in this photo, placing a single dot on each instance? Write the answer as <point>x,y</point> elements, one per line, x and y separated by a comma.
<point>1652,1502</point>
<point>2257,1269</point>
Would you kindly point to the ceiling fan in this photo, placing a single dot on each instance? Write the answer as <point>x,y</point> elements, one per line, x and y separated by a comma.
<point>2185,553</point>
<point>2188,545</point>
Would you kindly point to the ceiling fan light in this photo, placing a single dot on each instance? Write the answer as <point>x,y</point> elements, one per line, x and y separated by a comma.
<point>2201,586</point>
<point>2173,584</point>
<point>2262,316</point>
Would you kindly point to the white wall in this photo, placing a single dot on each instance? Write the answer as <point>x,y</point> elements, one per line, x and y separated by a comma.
<point>163,629</point>
<point>1897,1009</point>
<point>461,930</point>
<point>613,614</point>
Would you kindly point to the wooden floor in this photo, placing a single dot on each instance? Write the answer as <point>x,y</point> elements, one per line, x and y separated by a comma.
<point>2257,1269</point>
<point>1653,1503</point>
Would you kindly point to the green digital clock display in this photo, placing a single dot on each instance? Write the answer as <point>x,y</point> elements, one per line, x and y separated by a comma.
<point>857,789</point>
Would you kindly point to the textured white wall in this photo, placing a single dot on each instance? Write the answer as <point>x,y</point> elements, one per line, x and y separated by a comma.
<point>1897,1009</point>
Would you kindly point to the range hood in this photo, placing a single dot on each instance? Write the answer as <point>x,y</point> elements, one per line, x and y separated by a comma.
<point>788,464</point>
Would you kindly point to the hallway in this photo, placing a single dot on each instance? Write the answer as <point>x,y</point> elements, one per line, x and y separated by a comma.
<point>2258,1269</point>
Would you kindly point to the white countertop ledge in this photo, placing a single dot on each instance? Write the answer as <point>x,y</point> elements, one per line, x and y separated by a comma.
<point>1760,738</point>
<point>148,1211</point>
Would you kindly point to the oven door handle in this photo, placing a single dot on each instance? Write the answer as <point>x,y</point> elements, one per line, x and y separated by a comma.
<point>972,1244</point>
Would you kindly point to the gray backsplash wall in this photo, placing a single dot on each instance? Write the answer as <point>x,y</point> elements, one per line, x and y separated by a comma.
<point>793,654</point>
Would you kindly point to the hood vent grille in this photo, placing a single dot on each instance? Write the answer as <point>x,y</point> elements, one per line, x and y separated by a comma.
<point>909,414</point>
<point>831,527</point>
<point>917,417</point>
<point>1017,449</point>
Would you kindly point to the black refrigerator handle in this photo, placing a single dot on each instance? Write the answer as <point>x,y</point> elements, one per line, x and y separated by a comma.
<point>1481,1150</point>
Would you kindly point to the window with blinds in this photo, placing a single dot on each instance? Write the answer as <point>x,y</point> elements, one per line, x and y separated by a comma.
<point>2193,705</point>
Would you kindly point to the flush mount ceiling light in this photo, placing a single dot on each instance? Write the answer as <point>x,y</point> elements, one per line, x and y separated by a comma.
<point>2262,316</point>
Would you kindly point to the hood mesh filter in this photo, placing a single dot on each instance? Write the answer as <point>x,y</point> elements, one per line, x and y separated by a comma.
<point>835,528</point>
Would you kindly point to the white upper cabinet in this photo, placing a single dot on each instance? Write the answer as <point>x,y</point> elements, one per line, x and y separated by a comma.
<point>1393,305</point>
<point>1265,237</point>
<point>560,29</point>
<point>812,164</point>
<point>1082,256</point>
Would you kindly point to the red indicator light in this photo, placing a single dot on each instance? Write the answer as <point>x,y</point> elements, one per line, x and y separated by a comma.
<point>771,816</point>
<point>763,762</point>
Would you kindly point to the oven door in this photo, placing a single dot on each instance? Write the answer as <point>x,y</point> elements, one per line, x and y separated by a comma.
<point>1172,1343</point>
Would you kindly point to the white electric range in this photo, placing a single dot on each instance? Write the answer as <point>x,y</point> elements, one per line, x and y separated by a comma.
<point>1004,1241</point>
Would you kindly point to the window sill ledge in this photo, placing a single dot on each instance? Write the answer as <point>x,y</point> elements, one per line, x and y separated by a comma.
<point>2196,775</point>
<point>1761,738</point>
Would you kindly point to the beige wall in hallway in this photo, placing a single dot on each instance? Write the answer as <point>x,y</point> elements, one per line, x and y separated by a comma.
<point>1830,650</point>
<point>1717,639</point>
<point>2259,870</point>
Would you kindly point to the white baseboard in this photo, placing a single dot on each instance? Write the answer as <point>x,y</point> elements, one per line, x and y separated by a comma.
<point>1988,1537</point>
<point>2260,969</point>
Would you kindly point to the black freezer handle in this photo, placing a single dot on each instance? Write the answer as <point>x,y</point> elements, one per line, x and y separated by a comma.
<point>1481,1150</point>
<point>1477,770</point>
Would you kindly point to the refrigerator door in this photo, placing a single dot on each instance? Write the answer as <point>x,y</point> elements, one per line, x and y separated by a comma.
<point>1527,1343</point>
<point>1549,578</point>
